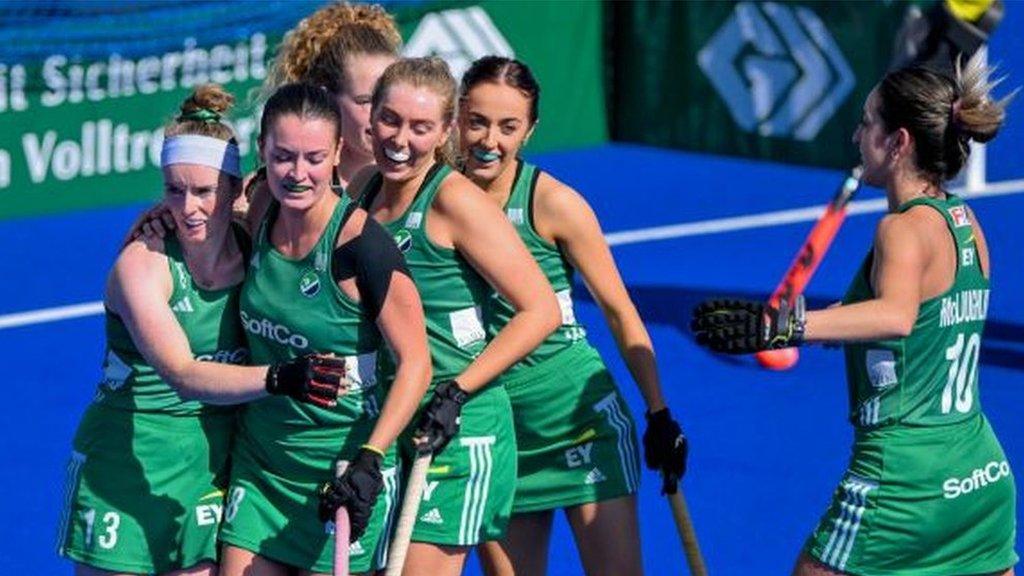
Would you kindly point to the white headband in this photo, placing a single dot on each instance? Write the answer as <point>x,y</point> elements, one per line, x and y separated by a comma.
<point>202,150</point>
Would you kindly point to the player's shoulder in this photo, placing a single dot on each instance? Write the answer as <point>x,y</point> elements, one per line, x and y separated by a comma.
<point>921,219</point>
<point>457,192</point>
<point>919,227</point>
<point>140,269</point>
<point>142,254</point>
<point>556,199</point>
<point>457,181</point>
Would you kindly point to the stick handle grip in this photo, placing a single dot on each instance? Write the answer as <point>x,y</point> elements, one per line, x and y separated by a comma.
<point>681,514</point>
<point>407,518</point>
<point>342,530</point>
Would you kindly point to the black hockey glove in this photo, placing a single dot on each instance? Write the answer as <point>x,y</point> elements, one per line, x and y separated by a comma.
<point>745,327</point>
<point>356,489</point>
<point>313,378</point>
<point>665,449</point>
<point>441,418</point>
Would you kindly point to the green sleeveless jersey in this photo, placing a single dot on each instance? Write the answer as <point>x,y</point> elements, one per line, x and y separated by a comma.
<point>453,293</point>
<point>931,376</point>
<point>554,265</point>
<point>290,308</point>
<point>209,319</point>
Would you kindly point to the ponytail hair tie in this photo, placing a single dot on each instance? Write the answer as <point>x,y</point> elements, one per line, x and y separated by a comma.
<point>954,113</point>
<point>201,115</point>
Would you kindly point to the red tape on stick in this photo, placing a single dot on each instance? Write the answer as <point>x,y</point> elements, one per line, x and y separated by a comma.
<point>807,259</point>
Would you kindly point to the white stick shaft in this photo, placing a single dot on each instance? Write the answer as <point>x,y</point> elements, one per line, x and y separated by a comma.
<point>407,519</point>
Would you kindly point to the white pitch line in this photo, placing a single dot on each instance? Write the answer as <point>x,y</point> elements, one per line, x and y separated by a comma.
<point>50,314</point>
<point>782,217</point>
<point>716,226</point>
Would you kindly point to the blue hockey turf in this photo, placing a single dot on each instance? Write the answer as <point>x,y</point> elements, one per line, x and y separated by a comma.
<point>767,448</point>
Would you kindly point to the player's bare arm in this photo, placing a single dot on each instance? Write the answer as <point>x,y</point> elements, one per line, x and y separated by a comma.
<point>480,232</point>
<point>900,257</point>
<point>138,290</point>
<point>401,323</point>
<point>564,218</point>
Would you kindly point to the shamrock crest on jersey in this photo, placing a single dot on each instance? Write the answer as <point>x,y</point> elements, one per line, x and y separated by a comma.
<point>309,284</point>
<point>403,239</point>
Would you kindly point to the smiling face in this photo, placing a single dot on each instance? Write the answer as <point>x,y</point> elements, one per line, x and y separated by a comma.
<point>200,200</point>
<point>494,123</point>
<point>408,126</point>
<point>300,155</point>
<point>361,74</point>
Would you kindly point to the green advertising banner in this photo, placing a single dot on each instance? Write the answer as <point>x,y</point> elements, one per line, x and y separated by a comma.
<point>561,41</point>
<point>783,81</point>
<point>85,88</point>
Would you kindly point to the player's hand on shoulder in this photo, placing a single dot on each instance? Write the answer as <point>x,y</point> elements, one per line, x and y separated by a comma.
<point>665,448</point>
<point>155,222</point>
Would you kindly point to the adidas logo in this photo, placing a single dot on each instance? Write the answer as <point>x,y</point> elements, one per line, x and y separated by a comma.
<point>184,305</point>
<point>432,516</point>
<point>354,549</point>
<point>459,36</point>
<point>595,476</point>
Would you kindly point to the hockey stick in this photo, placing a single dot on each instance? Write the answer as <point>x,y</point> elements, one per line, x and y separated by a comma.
<point>410,508</point>
<point>342,529</point>
<point>806,262</point>
<point>681,514</point>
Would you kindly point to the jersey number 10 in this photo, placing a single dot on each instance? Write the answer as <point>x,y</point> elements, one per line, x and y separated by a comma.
<point>963,370</point>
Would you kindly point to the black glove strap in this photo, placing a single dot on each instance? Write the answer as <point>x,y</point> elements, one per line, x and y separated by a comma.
<point>285,378</point>
<point>658,417</point>
<point>793,321</point>
<point>450,390</point>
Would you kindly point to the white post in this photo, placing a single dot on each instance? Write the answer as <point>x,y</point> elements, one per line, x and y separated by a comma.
<point>973,177</point>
